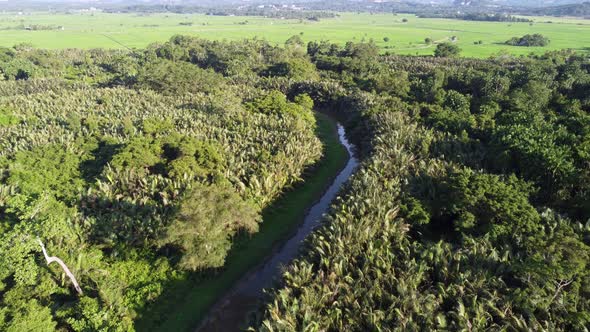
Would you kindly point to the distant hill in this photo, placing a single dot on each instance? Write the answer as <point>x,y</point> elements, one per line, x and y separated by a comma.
<point>515,3</point>
<point>579,10</point>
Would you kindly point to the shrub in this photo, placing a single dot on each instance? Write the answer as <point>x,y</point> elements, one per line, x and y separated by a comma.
<point>209,216</point>
<point>529,40</point>
<point>445,50</point>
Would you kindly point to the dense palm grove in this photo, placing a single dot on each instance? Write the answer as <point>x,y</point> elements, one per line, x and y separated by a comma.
<point>136,169</point>
<point>471,209</point>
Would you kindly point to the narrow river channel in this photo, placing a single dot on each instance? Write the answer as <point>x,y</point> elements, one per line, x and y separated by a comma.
<point>230,312</point>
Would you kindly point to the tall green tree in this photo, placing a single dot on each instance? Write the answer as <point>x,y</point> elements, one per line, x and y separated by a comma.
<point>208,218</point>
<point>447,50</point>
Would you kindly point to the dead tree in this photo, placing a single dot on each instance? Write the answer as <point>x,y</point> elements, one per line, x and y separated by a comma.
<point>63,266</point>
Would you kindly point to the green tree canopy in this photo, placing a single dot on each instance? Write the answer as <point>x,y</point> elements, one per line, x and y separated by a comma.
<point>177,78</point>
<point>447,50</point>
<point>208,217</point>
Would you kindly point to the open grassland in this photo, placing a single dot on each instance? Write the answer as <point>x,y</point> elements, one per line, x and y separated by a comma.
<point>92,30</point>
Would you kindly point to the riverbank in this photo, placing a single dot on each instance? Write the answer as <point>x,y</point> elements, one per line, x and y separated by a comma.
<point>185,304</point>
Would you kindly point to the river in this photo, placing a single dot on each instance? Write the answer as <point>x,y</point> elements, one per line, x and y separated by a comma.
<point>229,313</point>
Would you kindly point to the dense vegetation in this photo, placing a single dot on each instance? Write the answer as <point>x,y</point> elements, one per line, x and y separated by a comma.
<point>471,210</point>
<point>529,40</point>
<point>138,169</point>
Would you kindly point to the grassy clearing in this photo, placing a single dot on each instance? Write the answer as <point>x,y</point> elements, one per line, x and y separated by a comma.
<point>91,30</point>
<point>186,303</point>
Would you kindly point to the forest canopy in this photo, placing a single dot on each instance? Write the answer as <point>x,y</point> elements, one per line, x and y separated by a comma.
<point>137,169</point>
<point>473,200</point>
<point>470,209</point>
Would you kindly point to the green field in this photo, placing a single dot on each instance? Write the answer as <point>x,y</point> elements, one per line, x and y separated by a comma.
<point>92,30</point>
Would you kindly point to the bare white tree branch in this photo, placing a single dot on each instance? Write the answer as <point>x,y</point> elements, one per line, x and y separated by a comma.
<point>63,266</point>
<point>559,286</point>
